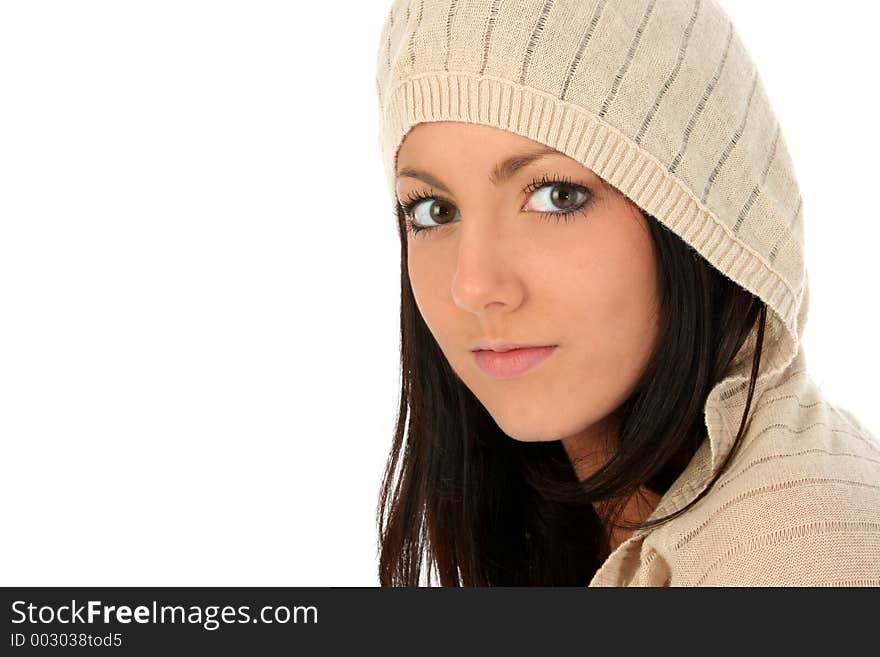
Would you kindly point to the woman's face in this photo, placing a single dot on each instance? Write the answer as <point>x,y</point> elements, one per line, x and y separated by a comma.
<point>491,267</point>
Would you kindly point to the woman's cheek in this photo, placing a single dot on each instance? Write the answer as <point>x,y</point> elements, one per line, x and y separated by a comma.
<point>431,293</point>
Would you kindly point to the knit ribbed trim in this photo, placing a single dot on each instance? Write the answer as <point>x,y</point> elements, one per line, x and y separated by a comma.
<point>617,159</point>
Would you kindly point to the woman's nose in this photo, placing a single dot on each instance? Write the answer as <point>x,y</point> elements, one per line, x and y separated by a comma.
<point>485,275</point>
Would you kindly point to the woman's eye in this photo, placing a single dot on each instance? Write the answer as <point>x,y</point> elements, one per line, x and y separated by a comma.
<point>558,198</point>
<point>433,212</point>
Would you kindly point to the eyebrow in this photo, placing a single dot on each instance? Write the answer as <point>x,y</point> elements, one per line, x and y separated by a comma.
<point>500,173</point>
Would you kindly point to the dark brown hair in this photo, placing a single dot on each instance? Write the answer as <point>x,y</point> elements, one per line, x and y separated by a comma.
<point>462,498</point>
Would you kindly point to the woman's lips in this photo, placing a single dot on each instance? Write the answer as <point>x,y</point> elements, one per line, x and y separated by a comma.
<point>505,364</point>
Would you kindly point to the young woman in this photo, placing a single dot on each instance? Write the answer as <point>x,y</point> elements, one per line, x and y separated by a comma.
<point>603,294</point>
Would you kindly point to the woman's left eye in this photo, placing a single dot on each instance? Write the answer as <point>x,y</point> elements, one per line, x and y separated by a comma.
<point>557,197</point>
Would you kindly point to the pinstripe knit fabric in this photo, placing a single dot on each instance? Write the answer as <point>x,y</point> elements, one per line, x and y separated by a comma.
<point>661,99</point>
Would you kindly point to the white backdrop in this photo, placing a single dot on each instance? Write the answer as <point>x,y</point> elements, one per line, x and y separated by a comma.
<point>199,277</point>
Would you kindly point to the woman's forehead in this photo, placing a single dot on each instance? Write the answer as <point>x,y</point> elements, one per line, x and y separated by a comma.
<point>434,149</point>
<point>437,135</point>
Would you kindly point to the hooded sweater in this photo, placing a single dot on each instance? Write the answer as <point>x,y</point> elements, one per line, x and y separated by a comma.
<point>661,99</point>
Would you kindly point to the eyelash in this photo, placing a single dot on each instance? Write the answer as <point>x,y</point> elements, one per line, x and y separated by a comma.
<point>415,198</point>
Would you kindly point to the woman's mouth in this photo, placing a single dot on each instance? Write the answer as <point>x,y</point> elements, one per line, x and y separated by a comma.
<point>506,364</point>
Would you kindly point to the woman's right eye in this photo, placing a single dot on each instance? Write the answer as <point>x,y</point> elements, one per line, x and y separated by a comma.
<point>428,213</point>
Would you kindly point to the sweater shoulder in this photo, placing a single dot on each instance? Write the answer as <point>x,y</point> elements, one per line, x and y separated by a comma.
<point>799,505</point>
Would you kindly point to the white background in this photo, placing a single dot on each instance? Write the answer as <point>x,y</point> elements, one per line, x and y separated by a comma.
<point>199,277</point>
